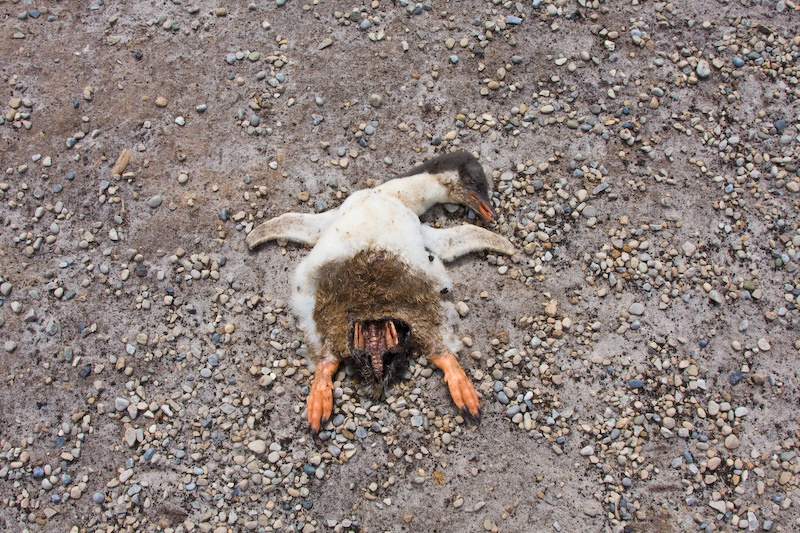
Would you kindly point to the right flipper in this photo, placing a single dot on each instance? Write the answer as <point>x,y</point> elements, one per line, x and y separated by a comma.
<point>451,243</point>
<point>304,228</point>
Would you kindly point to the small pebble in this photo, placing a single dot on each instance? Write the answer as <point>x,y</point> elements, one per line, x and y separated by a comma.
<point>716,297</point>
<point>703,69</point>
<point>5,288</point>
<point>257,446</point>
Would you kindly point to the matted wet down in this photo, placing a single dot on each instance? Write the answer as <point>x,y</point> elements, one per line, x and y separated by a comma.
<point>635,357</point>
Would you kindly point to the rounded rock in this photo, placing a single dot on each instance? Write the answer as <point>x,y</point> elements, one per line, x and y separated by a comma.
<point>5,288</point>
<point>716,297</point>
<point>257,446</point>
<point>703,69</point>
<point>636,309</point>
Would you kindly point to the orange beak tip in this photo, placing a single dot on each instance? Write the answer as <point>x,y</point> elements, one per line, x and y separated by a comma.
<point>487,212</point>
<point>484,208</point>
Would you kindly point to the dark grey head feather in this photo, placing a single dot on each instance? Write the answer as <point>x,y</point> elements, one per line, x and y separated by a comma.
<point>470,171</point>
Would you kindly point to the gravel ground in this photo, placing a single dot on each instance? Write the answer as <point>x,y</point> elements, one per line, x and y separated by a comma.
<point>636,358</point>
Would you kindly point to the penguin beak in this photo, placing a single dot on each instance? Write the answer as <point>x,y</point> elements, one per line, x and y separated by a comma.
<point>482,207</point>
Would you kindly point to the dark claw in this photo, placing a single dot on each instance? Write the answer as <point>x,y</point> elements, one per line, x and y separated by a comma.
<point>470,416</point>
<point>321,425</point>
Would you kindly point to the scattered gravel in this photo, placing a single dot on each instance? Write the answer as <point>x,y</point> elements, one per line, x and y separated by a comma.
<point>636,359</point>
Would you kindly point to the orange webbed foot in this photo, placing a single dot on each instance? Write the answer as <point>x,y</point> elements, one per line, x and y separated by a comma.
<point>461,389</point>
<point>320,399</point>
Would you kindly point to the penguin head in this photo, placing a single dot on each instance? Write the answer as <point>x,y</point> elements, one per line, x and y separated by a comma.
<point>475,187</point>
<point>463,177</point>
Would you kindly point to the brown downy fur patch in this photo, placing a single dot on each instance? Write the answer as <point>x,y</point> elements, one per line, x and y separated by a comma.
<point>373,285</point>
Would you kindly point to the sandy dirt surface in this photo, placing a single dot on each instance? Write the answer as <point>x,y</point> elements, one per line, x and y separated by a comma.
<point>636,359</point>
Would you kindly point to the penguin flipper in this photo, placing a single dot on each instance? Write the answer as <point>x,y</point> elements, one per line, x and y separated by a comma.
<point>303,228</point>
<point>451,243</point>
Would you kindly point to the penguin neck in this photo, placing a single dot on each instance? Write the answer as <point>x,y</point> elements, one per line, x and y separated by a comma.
<point>421,191</point>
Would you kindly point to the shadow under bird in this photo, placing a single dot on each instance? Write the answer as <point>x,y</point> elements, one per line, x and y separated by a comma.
<point>372,291</point>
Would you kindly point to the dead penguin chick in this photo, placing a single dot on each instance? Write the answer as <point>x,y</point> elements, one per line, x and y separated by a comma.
<point>371,288</point>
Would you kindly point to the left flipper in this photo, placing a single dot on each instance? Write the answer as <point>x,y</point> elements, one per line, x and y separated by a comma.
<point>451,243</point>
<point>304,228</point>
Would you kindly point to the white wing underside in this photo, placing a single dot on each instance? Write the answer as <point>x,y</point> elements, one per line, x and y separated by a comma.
<point>451,243</point>
<point>303,228</point>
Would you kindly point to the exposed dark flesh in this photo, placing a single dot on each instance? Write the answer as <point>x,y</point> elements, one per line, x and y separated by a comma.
<point>377,347</point>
